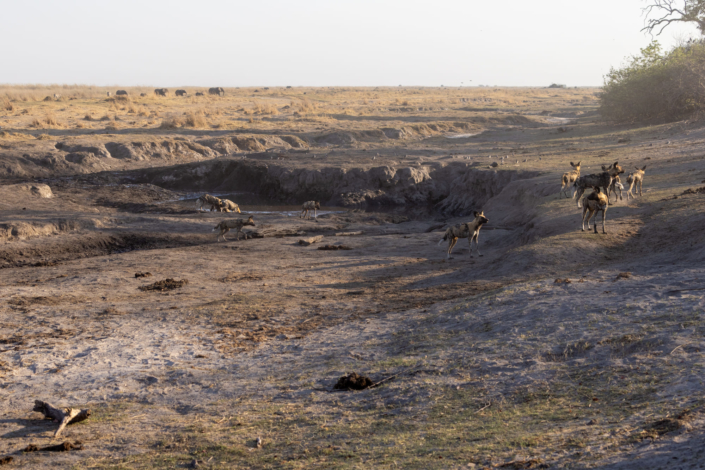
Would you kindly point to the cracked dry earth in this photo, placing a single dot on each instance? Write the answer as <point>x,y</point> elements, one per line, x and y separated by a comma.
<point>556,349</point>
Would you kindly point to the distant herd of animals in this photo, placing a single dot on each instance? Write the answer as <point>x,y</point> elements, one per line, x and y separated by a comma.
<point>603,186</point>
<point>165,92</point>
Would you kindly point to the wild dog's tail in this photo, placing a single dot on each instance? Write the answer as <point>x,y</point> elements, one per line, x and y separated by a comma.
<point>217,227</point>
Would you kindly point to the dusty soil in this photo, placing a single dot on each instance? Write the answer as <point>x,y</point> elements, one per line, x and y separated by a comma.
<point>556,348</point>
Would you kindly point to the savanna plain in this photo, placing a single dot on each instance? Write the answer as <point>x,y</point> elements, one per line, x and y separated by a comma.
<point>558,348</point>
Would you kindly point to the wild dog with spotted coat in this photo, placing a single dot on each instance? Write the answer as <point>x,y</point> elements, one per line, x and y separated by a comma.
<point>309,206</point>
<point>237,224</point>
<point>469,230</point>
<point>614,187</point>
<point>594,203</point>
<point>207,199</point>
<point>226,205</point>
<point>569,178</point>
<point>602,180</point>
<point>636,178</point>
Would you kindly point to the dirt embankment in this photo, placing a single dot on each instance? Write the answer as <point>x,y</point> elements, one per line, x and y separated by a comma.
<point>67,155</point>
<point>456,188</point>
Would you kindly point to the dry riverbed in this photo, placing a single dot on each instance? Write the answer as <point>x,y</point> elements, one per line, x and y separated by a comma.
<point>555,349</point>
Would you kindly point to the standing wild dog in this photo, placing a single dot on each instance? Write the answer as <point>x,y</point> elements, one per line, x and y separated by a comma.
<point>207,199</point>
<point>309,206</point>
<point>602,180</point>
<point>637,178</point>
<point>469,230</point>
<point>569,178</point>
<point>615,186</point>
<point>595,202</point>
<point>226,225</point>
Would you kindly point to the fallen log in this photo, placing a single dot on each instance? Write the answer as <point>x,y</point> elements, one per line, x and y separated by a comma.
<point>63,416</point>
<point>310,240</point>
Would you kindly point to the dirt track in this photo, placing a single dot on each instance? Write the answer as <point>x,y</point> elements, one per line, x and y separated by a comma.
<point>493,360</point>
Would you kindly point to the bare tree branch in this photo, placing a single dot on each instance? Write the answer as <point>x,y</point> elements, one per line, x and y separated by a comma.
<point>668,12</point>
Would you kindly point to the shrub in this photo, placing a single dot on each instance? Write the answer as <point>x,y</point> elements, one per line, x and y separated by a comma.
<point>50,120</point>
<point>170,123</point>
<point>194,120</point>
<point>7,105</point>
<point>657,86</point>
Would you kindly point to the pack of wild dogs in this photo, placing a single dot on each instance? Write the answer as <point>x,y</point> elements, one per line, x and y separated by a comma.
<point>225,205</point>
<point>603,186</point>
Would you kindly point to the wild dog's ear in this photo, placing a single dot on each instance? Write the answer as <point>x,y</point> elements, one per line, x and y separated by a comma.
<point>604,168</point>
<point>643,168</point>
<point>616,164</point>
<point>577,164</point>
<point>476,214</point>
<point>571,164</point>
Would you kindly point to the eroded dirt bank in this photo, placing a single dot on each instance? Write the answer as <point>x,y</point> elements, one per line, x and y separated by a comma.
<point>455,187</point>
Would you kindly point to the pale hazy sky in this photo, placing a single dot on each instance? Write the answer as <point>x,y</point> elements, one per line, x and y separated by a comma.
<point>318,43</point>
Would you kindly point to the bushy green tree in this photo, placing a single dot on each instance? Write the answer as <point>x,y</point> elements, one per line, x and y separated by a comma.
<point>657,86</point>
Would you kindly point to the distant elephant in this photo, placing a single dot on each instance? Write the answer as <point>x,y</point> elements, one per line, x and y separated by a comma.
<point>121,93</point>
<point>198,93</point>
<point>180,92</point>
<point>216,91</point>
<point>161,91</point>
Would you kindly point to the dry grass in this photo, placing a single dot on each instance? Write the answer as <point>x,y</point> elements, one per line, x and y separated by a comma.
<point>170,123</point>
<point>300,109</point>
<point>194,120</point>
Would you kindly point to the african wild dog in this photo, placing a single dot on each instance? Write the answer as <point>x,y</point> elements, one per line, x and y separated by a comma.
<point>309,206</point>
<point>569,178</point>
<point>594,203</point>
<point>637,178</point>
<point>615,186</point>
<point>469,230</point>
<point>207,199</point>
<point>602,180</point>
<point>226,225</point>
<point>226,205</point>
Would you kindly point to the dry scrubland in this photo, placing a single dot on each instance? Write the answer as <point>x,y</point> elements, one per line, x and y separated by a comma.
<point>557,349</point>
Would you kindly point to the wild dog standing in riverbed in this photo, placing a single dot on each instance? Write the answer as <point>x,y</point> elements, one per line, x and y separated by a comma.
<point>569,178</point>
<point>309,206</point>
<point>238,224</point>
<point>602,180</point>
<point>207,199</point>
<point>595,202</point>
<point>616,188</point>
<point>469,230</point>
<point>637,178</point>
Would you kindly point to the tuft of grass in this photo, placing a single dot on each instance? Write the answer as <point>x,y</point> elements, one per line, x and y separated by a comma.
<point>7,105</point>
<point>50,120</point>
<point>170,123</point>
<point>194,120</point>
